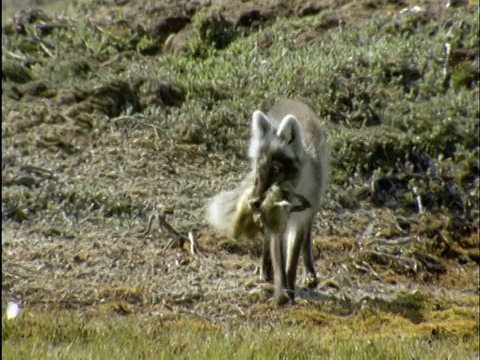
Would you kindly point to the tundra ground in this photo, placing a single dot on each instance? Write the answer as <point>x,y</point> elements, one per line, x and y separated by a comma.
<point>117,112</point>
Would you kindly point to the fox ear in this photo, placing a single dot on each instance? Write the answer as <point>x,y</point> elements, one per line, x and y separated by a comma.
<point>261,126</point>
<point>289,131</point>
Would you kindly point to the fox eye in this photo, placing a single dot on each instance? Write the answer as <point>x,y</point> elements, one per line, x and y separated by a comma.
<point>277,167</point>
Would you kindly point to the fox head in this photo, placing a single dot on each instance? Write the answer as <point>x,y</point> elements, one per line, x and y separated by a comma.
<point>277,153</point>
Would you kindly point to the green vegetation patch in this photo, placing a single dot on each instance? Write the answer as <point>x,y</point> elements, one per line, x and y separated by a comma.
<point>15,72</point>
<point>70,335</point>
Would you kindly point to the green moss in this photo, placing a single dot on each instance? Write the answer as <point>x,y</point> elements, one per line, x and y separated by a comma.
<point>69,336</point>
<point>214,30</point>
<point>465,75</point>
<point>15,72</point>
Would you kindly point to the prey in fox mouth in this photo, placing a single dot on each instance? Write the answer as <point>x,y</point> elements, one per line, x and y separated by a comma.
<point>277,169</point>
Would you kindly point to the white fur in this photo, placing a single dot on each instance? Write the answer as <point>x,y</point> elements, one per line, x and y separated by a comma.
<point>261,128</point>
<point>289,131</point>
<point>296,221</point>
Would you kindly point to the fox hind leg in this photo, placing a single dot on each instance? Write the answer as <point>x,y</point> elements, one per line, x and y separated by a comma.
<point>310,277</point>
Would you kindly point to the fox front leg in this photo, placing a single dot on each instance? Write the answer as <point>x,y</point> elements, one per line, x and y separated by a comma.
<point>280,296</point>
<point>267,270</point>
<point>294,244</point>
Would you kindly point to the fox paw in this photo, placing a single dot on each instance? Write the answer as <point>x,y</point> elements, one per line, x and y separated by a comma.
<point>280,299</point>
<point>311,282</point>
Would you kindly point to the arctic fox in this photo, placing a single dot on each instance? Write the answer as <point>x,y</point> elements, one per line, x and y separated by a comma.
<point>288,144</point>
